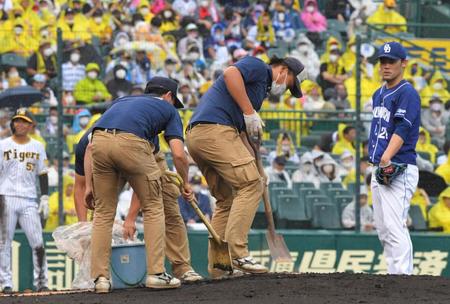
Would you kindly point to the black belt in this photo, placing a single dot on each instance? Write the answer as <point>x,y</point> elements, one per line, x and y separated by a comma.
<point>192,125</point>
<point>110,131</point>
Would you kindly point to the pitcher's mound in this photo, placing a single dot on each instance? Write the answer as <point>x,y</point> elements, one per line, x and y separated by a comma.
<point>274,289</point>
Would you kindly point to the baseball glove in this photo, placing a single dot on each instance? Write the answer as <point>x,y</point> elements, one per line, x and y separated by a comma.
<point>385,175</point>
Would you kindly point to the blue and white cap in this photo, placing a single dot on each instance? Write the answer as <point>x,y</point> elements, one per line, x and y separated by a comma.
<point>393,50</point>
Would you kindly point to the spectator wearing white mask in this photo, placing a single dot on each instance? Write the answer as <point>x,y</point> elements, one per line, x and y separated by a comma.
<point>285,147</point>
<point>72,71</point>
<point>307,55</point>
<point>328,170</point>
<point>306,172</point>
<point>347,163</point>
<point>277,173</point>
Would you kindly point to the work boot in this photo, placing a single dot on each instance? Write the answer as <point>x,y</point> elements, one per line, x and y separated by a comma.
<point>249,265</point>
<point>191,276</point>
<point>7,290</point>
<point>43,289</point>
<point>161,281</point>
<point>102,285</point>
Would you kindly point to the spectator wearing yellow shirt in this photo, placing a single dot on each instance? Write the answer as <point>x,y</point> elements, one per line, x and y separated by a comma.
<point>421,199</point>
<point>346,138</point>
<point>18,41</point>
<point>43,61</point>
<point>169,21</point>
<point>90,89</point>
<point>99,27</point>
<point>439,215</point>
<point>73,31</point>
<point>70,216</point>
<point>144,10</point>
<point>387,14</point>
<point>436,88</point>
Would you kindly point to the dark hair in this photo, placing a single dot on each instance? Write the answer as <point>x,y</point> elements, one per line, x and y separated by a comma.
<point>446,146</point>
<point>348,129</point>
<point>275,61</point>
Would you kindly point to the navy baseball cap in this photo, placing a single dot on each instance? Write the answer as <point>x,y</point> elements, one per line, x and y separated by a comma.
<point>296,67</point>
<point>165,83</point>
<point>393,50</point>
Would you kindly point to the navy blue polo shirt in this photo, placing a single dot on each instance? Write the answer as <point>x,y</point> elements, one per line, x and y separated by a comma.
<point>80,151</point>
<point>144,116</point>
<point>217,105</point>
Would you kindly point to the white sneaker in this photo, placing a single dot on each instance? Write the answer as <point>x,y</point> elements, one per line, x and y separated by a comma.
<point>102,285</point>
<point>249,265</point>
<point>191,276</point>
<point>161,281</point>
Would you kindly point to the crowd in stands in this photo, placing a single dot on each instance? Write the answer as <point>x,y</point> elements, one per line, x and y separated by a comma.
<point>112,48</point>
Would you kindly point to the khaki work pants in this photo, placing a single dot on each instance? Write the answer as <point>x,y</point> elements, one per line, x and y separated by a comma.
<point>130,157</point>
<point>177,246</point>
<point>233,179</point>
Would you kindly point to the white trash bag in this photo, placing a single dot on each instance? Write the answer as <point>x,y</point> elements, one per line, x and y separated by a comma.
<point>75,240</point>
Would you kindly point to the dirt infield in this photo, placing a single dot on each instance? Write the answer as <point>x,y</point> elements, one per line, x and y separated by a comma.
<point>276,288</point>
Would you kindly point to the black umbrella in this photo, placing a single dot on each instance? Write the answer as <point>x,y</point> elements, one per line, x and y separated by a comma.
<point>432,183</point>
<point>23,96</point>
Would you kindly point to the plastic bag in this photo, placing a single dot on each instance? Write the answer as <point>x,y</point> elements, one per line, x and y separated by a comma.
<point>75,240</point>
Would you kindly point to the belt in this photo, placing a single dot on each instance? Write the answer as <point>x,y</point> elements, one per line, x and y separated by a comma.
<point>195,123</point>
<point>111,131</point>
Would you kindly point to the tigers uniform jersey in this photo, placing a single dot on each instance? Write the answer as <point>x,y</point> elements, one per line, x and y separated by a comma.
<point>19,166</point>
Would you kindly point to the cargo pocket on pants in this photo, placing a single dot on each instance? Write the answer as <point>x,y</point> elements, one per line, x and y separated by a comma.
<point>245,170</point>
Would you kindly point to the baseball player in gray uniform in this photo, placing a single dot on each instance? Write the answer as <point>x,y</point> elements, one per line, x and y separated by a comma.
<point>22,159</point>
<point>393,137</point>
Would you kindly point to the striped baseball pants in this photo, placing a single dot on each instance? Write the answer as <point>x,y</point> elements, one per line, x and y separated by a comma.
<point>24,210</point>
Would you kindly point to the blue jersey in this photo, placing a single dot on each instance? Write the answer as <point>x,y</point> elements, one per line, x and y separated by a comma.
<point>143,116</point>
<point>217,105</point>
<point>395,110</point>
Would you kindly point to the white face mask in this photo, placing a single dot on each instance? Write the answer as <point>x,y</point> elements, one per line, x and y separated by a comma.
<point>333,58</point>
<point>144,11</point>
<point>310,8</point>
<point>92,74</point>
<point>121,74</point>
<point>45,33</point>
<point>307,167</point>
<point>281,17</point>
<point>193,56</point>
<point>347,164</point>
<point>278,89</point>
<point>196,188</point>
<point>285,148</point>
<point>303,48</point>
<point>98,20</point>
<point>53,120</point>
<point>358,21</point>
<point>48,52</point>
<point>204,3</point>
<point>437,86</point>
<point>167,14</point>
<point>84,121</point>
<point>69,99</point>
<point>14,74</point>
<point>353,48</point>
<point>18,30</point>
<point>75,57</point>
<point>327,169</point>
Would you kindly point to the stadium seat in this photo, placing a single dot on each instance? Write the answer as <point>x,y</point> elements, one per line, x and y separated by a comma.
<point>337,25</point>
<point>296,187</point>
<point>292,212</point>
<point>326,216</point>
<point>311,200</point>
<point>418,222</point>
<point>326,186</point>
<point>277,185</point>
<point>341,201</point>
<point>274,195</point>
<point>310,140</point>
<point>333,192</point>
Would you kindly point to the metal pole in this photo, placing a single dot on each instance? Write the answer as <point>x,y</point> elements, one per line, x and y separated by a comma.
<point>358,133</point>
<point>60,139</point>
